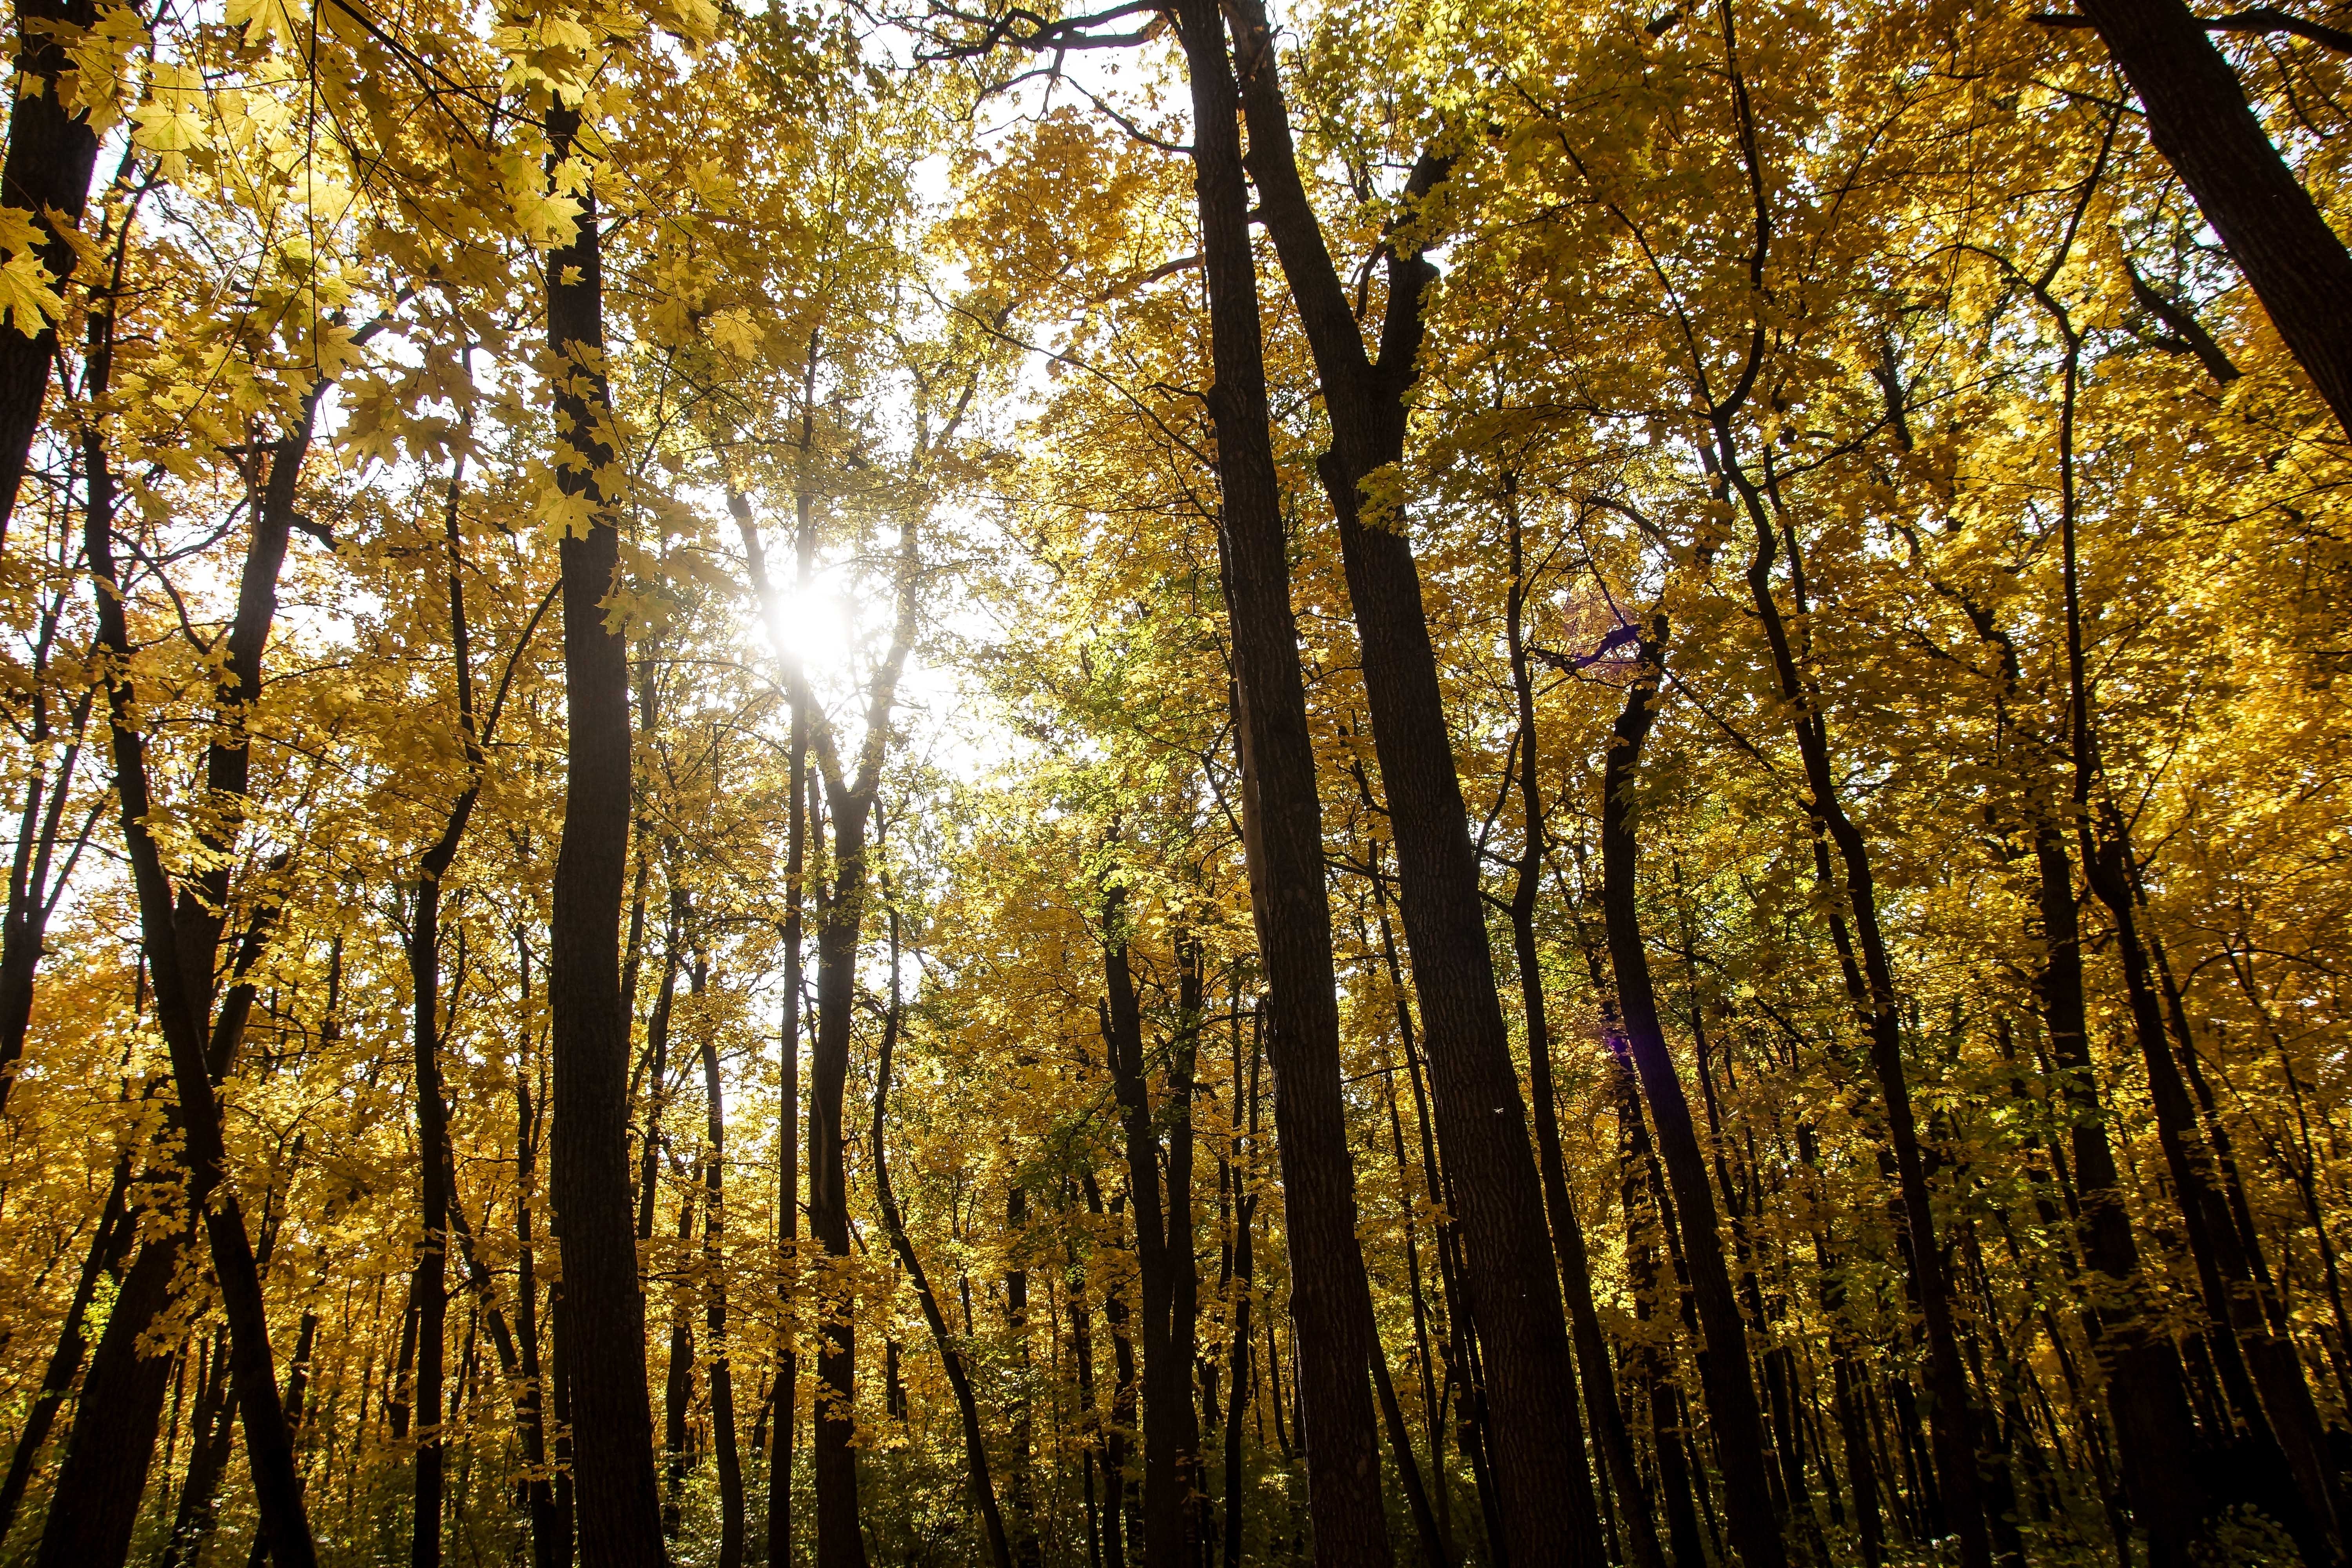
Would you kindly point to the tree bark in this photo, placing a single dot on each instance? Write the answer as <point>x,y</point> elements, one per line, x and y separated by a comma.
<point>1482,1120</point>
<point>1603,1415</point>
<point>2198,119</point>
<point>603,1310</point>
<point>1163,1249</point>
<point>1283,843</point>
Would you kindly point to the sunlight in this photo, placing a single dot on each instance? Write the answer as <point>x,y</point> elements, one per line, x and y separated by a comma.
<point>815,625</point>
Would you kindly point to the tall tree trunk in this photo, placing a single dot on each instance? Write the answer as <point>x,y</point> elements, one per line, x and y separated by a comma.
<point>1549,1516</point>
<point>1283,843</point>
<point>1723,1368</point>
<point>212,1430</point>
<point>2198,119</point>
<point>551,1527</point>
<point>1872,989</point>
<point>1163,1244</point>
<point>1602,1414</point>
<point>793,935</point>
<point>51,153</point>
<point>975,1447</point>
<point>1245,1264</point>
<point>604,1327</point>
<point>714,1317</point>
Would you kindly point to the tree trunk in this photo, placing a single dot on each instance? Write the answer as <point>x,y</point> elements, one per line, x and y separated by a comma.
<point>1482,1122</point>
<point>1723,1368</point>
<point>975,1447</point>
<point>50,155</point>
<point>2144,1386</point>
<point>2198,119</point>
<point>1163,1247</point>
<point>714,1317</point>
<point>211,1428</point>
<point>1602,1414</point>
<point>604,1327</point>
<point>1283,842</point>
<point>109,1244</point>
<point>1872,990</point>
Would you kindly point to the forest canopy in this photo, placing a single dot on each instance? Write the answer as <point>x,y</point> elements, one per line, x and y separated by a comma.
<point>1544,783</point>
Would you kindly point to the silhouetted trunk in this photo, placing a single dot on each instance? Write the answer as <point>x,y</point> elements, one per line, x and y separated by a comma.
<point>1602,1414</point>
<point>94,1503</point>
<point>1245,1265</point>
<point>1023,1497</point>
<point>1283,843</point>
<point>677,1385</point>
<point>50,155</point>
<point>2198,119</point>
<point>35,880</point>
<point>797,827</point>
<point>210,1429</point>
<point>975,1447</point>
<point>1870,988</point>
<point>109,1244</point>
<point>714,1314</point>
<point>1648,1360</point>
<point>551,1528</point>
<point>1530,1388</point>
<point>604,1327</point>
<point>1723,1368</point>
<point>1163,1245</point>
<point>2282,1430</point>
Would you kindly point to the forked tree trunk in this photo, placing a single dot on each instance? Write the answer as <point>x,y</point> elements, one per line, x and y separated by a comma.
<point>1283,843</point>
<point>1545,1493</point>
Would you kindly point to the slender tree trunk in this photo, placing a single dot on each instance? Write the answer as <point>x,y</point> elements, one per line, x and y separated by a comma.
<point>975,1447</point>
<point>603,1326</point>
<point>1163,1251</point>
<point>1603,1415</point>
<point>1245,1264</point>
<point>1723,1368</point>
<point>1647,1359</point>
<point>1283,839</point>
<point>2198,119</point>
<point>212,1430</point>
<point>551,1527</point>
<point>714,1318</point>
<point>109,1244</point>
<point>2145,1391</point>
<point>1873,994</point>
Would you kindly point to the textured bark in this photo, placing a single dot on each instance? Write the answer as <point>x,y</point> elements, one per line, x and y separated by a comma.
<point>603,1323</point>
<point>48,170</point>
<point>1283,843</point>
<point>1723,1368</point>
<point>1530,1386</point>
<point>2198,119</point>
